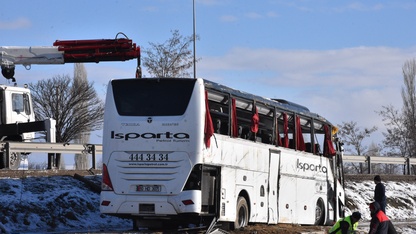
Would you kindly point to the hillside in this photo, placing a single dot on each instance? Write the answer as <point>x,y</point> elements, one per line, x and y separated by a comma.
<point>63,203</point>
<point>400,192</point>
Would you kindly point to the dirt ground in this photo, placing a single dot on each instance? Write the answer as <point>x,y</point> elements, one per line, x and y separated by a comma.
<point>281,228</point>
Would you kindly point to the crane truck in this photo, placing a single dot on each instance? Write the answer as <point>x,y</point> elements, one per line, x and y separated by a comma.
<point>17,117</point>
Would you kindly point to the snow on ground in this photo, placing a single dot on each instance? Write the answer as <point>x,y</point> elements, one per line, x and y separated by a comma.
<point>401,198</point>
<point>401,201</point>
<point>56,203</point>
<point>62,203</point>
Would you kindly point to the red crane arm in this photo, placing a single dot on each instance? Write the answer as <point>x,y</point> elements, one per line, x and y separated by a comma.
<point>78,51</point>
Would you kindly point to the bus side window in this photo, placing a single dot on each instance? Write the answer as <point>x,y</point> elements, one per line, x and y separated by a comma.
<point>308,147</point>
<point>224,128</point>
<point>266,124</point>
<point>217,125</point>
<point>244,115</point>
<point>266,137</point>
<point>246,133</point>
<point>292,131</point>
<point>220,126</point>
<point>289,137</point>
<point>291,143</point>
<point>318,149</point>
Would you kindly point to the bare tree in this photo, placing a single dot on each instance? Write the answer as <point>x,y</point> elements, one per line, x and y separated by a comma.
<point>409,104</point>
<point>80,78</point>
<point>396,141</point>
<point>353,136</point>
<point>172,58</point>
<point>74,105</point>
<point>374,150</point>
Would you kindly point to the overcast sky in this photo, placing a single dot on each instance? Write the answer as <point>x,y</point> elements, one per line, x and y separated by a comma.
<point>341,59</point>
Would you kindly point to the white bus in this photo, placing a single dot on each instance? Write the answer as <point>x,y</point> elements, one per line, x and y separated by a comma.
<point>193,150</point>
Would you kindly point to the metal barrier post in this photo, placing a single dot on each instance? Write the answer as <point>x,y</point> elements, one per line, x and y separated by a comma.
<point>58,161</point>
<point>51,161</point>
<point>50,125</point>
<point>93,156</point>
<point>407,166</point>
<point>7,155</point>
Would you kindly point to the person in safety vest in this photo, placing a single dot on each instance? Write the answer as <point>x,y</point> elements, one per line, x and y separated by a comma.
<point>346,225</point>
<point>380,223</point>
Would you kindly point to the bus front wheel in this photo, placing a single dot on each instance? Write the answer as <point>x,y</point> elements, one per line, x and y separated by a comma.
<point>241,219</point>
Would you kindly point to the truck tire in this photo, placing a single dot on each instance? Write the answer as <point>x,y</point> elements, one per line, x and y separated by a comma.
<point>2,161</point>
<point>14,161</point>
<point>241,219</point>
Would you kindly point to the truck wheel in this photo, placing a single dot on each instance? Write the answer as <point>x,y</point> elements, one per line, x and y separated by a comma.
<point>14,161</point>
<point>319,212</point>
<point>2,161</point>
<point>241,219</point>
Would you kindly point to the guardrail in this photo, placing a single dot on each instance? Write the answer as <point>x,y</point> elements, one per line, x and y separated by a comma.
<point>406,161</point>
<point>54,150</point>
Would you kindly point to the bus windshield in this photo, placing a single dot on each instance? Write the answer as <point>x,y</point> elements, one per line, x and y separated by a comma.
<point>152,97</point>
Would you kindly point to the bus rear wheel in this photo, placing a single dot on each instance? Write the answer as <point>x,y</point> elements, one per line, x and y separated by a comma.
<point>241,219</point>
<point>319,212</point>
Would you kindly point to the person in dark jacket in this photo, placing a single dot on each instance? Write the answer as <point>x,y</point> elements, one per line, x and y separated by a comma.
<point>380,193</point>
<point>380,223</point>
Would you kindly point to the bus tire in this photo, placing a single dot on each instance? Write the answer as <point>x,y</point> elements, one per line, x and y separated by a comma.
<point>241,219</point>
<point>319,212</point>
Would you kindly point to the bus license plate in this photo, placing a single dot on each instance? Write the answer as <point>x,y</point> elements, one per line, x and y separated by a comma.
<point>146,157</point>
<point>148,188</point>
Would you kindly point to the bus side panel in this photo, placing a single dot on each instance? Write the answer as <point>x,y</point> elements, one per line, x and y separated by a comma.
<point>247,177</point>
<point>303,182</point>
<point>227,201</point>
<point>255,184</point>
<point>287,199</point>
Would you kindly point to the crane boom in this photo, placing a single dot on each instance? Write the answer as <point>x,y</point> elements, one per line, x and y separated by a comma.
<point>68,51</point>
<point>11,55</point>
<point>77,51</point>
<point>17,117</point>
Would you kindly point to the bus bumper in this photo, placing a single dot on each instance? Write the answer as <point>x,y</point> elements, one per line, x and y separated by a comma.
<point>185,202</point>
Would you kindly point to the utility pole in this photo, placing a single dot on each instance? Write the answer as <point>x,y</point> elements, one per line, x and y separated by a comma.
<point>194,39</point>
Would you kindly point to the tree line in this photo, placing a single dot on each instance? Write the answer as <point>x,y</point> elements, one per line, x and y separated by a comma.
<point>400,136</point>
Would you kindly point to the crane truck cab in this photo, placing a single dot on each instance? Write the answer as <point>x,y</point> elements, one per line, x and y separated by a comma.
<point>15,109</point>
